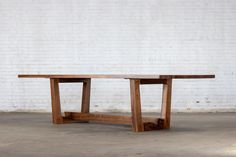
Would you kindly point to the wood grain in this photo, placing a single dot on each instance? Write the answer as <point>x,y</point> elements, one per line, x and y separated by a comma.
<point>121,76</point>
<point>137,122</point>
<point>114,119</point>
<point>105,118</point>
<point>86,96</point>
<point>56,106</point>
<point>166,103</point>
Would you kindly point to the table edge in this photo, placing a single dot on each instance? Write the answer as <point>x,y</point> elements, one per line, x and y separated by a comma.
<point>116,76</point>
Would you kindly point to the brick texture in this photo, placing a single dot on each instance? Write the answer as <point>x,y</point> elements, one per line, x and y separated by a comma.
<point>118,36</point>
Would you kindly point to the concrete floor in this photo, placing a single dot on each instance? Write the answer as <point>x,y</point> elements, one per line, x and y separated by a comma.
<point>191,135</point>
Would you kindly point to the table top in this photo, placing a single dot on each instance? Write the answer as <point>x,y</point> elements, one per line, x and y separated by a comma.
<point>124,76</point>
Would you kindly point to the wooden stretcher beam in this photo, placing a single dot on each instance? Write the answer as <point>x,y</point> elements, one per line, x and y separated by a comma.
<point>149,123</point>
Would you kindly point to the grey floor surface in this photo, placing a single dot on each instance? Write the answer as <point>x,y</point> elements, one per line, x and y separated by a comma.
<point>191,135</point>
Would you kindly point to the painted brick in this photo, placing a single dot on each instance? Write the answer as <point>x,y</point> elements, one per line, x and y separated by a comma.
<point>118,36</point>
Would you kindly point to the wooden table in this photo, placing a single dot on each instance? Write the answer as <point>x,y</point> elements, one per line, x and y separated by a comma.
<point>138,122</point>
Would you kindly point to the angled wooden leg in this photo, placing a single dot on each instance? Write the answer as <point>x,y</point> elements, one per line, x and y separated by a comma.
<point>86,96</point>
<point>56,106</point>
<point>137,121</point>
<point>166,103</point>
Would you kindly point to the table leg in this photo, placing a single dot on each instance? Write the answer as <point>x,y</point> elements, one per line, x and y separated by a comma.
<point>86,97</point>
<point>137,121</point>
<point>56,106</point>
<point>166,103</point>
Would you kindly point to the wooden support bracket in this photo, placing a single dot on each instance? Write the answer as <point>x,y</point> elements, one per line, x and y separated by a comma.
<point>153,81</point>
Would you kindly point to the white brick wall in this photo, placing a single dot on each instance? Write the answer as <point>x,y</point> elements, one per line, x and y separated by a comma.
<point>118,36</point>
